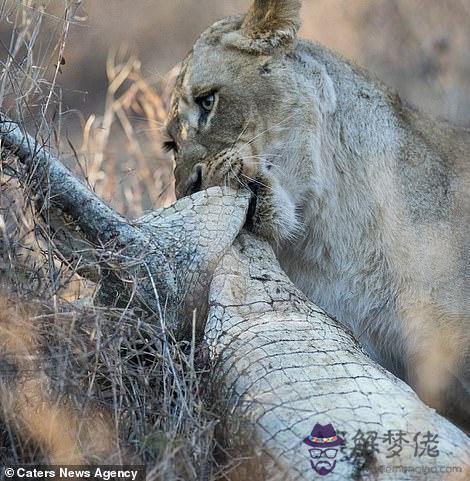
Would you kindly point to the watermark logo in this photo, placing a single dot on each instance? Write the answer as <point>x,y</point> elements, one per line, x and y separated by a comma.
<point>323,445</point>
<point>327,448</point>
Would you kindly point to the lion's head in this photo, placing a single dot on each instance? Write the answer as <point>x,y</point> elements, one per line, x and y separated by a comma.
<point>245,110</point>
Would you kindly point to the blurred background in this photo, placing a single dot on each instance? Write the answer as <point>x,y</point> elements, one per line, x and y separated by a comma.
<point>114,84</point>
<point>420,47</point>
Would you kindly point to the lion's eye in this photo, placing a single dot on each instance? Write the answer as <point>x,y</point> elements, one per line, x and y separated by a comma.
<point>206,102</point>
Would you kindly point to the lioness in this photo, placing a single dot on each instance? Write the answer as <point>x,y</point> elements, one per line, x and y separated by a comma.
<point>366,201</point>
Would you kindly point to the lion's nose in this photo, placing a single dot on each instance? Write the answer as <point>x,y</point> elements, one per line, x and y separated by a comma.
<point>194,183</point>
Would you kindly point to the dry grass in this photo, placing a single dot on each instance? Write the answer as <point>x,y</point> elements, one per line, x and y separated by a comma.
<point>79,384</point>
<point>84,386</point>
<point>132,120</point>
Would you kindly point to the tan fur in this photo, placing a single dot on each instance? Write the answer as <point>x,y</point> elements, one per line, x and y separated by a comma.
<point>271,23</point>
<point>366,201</point>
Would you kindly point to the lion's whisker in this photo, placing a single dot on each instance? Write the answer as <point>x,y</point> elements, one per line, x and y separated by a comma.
<point>277,124</point>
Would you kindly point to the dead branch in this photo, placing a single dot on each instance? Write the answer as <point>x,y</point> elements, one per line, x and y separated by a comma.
<point>161,263</point>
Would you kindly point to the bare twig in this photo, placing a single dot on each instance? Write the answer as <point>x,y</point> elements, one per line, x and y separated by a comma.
<point>163,261</point>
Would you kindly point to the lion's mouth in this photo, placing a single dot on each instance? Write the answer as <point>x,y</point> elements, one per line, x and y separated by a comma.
<point>194,184</point>
<point>254,188</point>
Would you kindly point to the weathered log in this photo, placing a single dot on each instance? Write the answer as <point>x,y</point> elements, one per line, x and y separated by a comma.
<point>280,362</point>
<point>285,366</point>
<point>162,262</point>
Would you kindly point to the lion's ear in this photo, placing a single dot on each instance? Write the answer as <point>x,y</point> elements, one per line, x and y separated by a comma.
<point>267,25</point>
<point>274,20</point>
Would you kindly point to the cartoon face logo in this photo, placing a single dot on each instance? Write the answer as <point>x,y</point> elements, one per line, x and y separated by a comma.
<point>323,447</point>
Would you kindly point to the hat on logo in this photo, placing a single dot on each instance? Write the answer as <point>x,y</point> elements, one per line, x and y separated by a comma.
<point>323,437</point>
